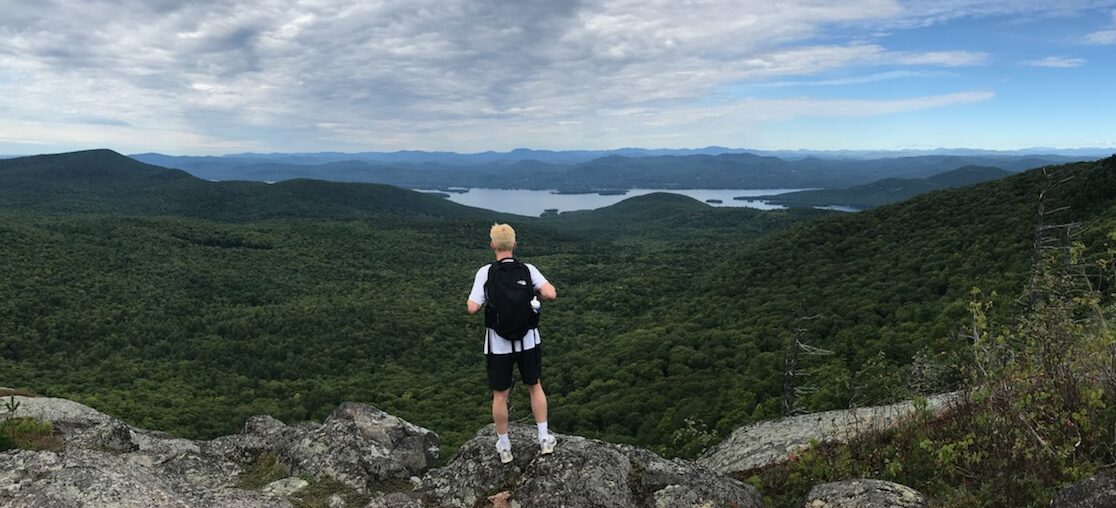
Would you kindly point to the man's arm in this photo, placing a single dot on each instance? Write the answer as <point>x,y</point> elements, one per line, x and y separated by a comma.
<point>547,292</point>
<point>476,295</point>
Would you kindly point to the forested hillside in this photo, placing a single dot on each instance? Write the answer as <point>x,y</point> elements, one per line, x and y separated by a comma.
<point>670,328</point>
<point>888,190</point>
<point>106,182</point>
<point>881,286</point>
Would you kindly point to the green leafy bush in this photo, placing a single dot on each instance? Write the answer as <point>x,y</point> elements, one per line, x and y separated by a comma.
<point>6,442</point>
<point>30,434</point>
<point>1038,412</point>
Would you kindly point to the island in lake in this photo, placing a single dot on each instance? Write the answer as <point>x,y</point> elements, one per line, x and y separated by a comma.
<point>601,192</point>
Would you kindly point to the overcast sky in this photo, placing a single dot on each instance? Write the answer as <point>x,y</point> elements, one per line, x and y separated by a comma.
<point>208,77</point>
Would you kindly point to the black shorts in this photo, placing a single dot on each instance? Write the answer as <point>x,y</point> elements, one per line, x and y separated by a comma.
<point>500,368</point>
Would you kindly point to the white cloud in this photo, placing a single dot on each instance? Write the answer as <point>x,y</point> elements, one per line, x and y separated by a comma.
<point>943,58</point>
<point>342,74</point>
<point>1106,36</point>
<point>857,80</point>
<point>788,109</point>
<point>1101,37</point>
<point>90,135</point>
<point>721,123</point>
<point>1058,62</point>
<point>793,108</point>
<point>929,12</point>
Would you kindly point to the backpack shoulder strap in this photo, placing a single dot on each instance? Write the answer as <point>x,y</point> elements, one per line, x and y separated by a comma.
<point>488,282</point>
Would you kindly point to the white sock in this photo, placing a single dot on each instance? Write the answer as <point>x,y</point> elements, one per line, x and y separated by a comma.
<point>542,430</point>
<point>503,442</point>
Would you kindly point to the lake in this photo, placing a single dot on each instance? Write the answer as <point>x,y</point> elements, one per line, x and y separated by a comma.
<point>535,202</point>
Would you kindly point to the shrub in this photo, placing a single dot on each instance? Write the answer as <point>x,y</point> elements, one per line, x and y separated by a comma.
<point>1040,409</point>
<point>263,471</point>
<point>6,442</point>
<point>320,490</point>
<point>29,434</point>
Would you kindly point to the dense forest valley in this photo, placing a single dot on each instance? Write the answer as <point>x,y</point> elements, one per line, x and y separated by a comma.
<point>186,305</point>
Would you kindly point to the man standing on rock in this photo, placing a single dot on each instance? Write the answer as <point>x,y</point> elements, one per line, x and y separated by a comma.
<point>509,292</point>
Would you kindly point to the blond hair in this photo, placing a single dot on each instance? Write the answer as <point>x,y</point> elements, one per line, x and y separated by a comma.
<point>503,237</point>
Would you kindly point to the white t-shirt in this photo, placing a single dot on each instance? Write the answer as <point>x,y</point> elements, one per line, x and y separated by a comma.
<point>493,342</point>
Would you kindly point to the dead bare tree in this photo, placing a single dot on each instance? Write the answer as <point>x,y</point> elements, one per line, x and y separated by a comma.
<point>792,390</point>
<point>1046,236</point>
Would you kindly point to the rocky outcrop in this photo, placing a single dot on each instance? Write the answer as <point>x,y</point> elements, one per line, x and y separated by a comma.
<point>356,445</point>
<point>104,462</point>
<point>1096,492</point>
<point>774,441</point>
<point>580,472</point>
<point>359,451</point>
<point>864,494</point>
<point>78,425</point>
<point>78,478</point>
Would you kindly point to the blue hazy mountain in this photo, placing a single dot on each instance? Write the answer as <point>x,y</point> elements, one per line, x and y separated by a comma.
<point>712,167</point>
<point>103,181</point>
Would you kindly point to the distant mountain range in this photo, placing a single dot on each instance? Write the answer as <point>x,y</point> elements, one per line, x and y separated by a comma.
<point>712,168</point>
<point>103,181</point>
<point>578,156</point>
<point>74,182</point>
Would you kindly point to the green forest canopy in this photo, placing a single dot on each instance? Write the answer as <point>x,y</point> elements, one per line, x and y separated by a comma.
<point>124,294</point>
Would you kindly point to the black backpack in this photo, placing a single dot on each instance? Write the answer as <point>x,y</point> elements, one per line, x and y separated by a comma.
<point>508,292</point>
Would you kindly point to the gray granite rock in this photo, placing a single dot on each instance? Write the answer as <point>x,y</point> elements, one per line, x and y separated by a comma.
<point>396,500</point>
<point>285,487</point>
<point>864,494</point>
<point>87,478</point>
<point>1096,492</point>
<point>580,472</point>
<point>357,445</point>
<point>774,441</point>
<point>78,425</point>
<point>204,470</point>
<point>359,442</point>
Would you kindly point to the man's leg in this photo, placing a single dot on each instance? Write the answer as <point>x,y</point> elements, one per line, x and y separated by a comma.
<point>500,417</point>
<point>530,367</point>
<point>500,381</point>
<point>538,408</point>
<point>499,369</point>
<point>500,410</point>
<point>538,402</point>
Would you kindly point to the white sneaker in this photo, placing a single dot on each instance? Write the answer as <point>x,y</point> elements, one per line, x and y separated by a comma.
<point>505,453</point>
<point>546,446</point>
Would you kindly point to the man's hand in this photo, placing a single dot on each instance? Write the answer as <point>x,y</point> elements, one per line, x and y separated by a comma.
<point>547,292</point>
<point>472,307</point>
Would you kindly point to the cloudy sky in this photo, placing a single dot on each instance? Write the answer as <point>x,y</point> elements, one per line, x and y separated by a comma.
<point>209,77</point>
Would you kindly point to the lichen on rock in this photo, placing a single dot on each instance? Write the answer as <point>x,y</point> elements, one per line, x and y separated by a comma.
<point>771,442</point>
<point>580,472</point>
<point>105,462</point>
<point>864,493</point>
